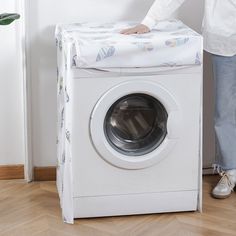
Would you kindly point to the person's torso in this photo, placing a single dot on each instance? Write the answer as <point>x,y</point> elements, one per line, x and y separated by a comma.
<point>220,17</point>
<point>219,27</point>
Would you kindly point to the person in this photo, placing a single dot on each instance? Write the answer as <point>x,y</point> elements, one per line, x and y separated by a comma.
<point>219,33</point>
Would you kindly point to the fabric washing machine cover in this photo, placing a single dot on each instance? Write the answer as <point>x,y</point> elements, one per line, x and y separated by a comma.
<point>129,119</point>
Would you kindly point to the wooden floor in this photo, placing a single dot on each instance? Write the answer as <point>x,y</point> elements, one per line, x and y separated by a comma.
<point>33,209</point>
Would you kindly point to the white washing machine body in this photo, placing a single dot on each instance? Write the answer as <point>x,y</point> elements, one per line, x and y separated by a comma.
<point>113,177</point>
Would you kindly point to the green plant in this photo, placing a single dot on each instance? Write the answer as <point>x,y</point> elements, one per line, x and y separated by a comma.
<point>8,18</point>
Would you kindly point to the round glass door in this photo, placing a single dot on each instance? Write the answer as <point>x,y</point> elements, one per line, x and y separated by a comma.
<point>136,124</point>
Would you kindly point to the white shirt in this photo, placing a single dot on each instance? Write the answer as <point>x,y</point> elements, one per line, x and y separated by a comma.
<point>219,24</point>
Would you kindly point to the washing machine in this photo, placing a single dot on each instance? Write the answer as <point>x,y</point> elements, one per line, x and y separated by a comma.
<point>129,120</point>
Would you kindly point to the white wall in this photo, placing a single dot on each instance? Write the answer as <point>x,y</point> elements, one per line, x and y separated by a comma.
<point>43,15</point>
<point>11,90</point>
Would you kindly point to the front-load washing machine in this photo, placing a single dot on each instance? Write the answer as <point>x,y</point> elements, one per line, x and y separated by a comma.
<point>129,136</point>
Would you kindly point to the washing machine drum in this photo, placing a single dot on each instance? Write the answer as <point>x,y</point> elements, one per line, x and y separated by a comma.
<point>134,125</point>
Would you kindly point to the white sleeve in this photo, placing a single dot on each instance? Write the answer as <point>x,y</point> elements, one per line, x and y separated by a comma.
<point>161,10</point>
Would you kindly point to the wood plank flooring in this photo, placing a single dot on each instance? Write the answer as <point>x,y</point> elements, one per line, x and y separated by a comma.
<point>33,210</point>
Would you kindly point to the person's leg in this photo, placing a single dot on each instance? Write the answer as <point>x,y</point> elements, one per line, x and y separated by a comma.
<point>225,109</point>
<point>224,69</point>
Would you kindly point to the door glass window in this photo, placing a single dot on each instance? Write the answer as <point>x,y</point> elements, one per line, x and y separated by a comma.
<point>136,124</point>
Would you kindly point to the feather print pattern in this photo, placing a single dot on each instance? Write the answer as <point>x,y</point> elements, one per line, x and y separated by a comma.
<point>62,117</point>
<point>105,52</point>
<point>198,59</point>
<point>67,95</point>
<point>68,135</point>
<point>145,46</point>
<point>175,42</point>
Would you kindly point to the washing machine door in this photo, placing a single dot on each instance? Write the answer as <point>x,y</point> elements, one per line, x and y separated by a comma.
<point>135,124</point>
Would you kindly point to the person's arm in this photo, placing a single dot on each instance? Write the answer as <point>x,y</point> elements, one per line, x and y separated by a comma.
<point>160,10</point>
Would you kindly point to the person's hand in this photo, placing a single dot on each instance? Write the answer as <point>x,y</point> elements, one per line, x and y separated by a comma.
<point>139,29</point>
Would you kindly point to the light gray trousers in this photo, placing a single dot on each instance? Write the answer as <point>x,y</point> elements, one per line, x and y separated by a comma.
<point>224,69</point>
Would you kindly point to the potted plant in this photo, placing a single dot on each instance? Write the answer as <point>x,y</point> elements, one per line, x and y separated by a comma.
<point>8,18</point>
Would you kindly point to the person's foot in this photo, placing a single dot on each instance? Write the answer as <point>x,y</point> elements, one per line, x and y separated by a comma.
<point>226,184</point>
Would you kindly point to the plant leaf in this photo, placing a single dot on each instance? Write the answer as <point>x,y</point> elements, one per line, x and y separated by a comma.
<point>8,18</point>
